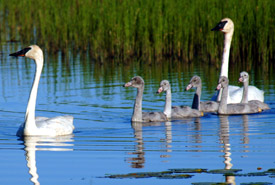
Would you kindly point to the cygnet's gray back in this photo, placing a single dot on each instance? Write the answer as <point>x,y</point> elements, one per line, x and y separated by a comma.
<point>185,112</point>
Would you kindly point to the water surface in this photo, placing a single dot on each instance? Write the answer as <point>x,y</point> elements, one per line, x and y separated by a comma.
<point>105,142</point>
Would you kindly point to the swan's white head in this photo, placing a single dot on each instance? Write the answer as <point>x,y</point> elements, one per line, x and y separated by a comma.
<point>33,52</point>
<point>226,25</point>
<point>136,82</point>
<point>244,77</point>
<point>194,82</point>
<point>164,86</point>
<point>223,82</point>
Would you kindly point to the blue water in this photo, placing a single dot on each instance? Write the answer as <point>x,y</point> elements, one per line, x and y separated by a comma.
<point>105,142</point>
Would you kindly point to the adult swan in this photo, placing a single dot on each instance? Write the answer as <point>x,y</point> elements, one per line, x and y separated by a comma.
<point>235,93</point>
<point>37,126</point>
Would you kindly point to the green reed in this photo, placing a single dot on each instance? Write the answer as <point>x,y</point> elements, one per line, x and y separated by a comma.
<point>147,29</point>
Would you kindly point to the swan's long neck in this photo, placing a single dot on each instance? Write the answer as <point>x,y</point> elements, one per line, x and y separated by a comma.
<point>245,92</point>
<point>168,104</point>
<point>30,113</point>
<point>225,58</point>
<point>137,114</point>
<point>226,52</point>
<point>196,99</point>
<point>223,104</point>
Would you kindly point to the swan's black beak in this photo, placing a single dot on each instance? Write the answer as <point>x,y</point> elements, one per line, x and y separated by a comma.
<point>219,26</point>
<point>21,53</point>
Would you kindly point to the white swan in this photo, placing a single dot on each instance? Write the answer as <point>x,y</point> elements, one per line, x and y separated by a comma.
<point>226,25</point>
<point>36,126</point>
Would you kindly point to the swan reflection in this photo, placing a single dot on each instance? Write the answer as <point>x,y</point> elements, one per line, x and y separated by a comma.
<point>245,133</point>
<point>224,139</point>
<point>139,160</point>
<point>43,143</point>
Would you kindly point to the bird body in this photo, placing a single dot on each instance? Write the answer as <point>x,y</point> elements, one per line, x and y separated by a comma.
<point>226,26</point>
<point>206,106</point>
<point>176,112</point>
<point>244,78</point>
<point>238,108</point>
<point>32,126</point>
<point>138,115</point>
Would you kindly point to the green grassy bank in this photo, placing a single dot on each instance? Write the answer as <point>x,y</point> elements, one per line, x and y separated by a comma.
<point>147,29</point>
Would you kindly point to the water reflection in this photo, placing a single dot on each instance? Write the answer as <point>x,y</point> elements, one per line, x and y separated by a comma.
<point>139,160</point>
<point>168,138</point>
<point>197,134</point>
<point>245,133</point>
<point>36,143</point>
<point>224,139</point>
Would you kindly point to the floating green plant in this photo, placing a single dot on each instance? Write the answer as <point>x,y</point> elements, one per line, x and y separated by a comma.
<point>181,173</point>
<point>188,170</point>
<point>139,175</point>
<point>224,171</point>
<point>257,183</point>
<point>210,183</point>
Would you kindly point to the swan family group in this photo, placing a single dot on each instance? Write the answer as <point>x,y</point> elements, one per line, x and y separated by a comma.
<point>229,100</point>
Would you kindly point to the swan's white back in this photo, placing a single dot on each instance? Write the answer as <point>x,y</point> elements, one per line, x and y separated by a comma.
<point>235,94</point>
<point>38,126</point>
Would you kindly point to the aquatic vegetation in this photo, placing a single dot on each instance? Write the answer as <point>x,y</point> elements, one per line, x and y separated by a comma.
<point>150,30</point>
<point>224,171</point>
<point>257,183</point>
<point>188,170</point>
<point>139,175</point>
<point>211,183</point>
<point>181,173</point>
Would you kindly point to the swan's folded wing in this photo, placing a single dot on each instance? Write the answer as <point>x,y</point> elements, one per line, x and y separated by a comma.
<point>185,112</point>
<point>209,106</point>
<point>37,119</point>
<point>62,125</point>
<point>153,116</point>
<point>242,108</point>
<point>259,104</point>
